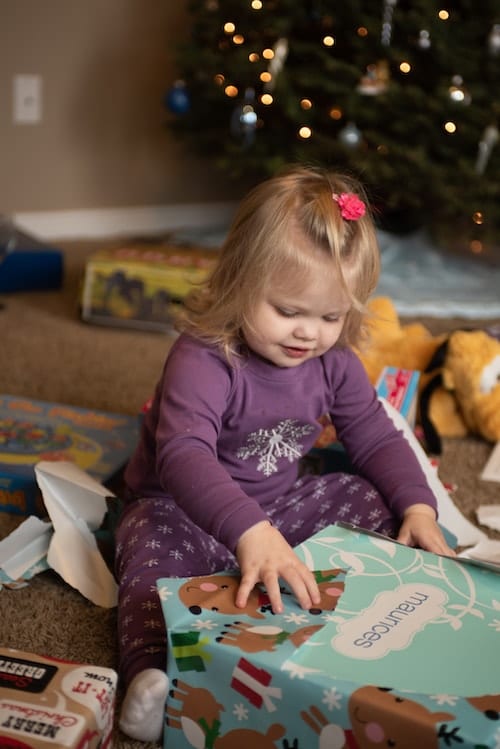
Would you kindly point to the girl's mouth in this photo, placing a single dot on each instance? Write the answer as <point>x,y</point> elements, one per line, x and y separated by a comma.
<point>295,353</point>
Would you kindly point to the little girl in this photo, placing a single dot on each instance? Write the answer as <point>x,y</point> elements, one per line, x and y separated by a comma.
<point>265,352</point>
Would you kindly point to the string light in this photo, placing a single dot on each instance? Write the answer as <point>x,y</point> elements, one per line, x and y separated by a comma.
<point>305,132</point>
<point>405,67</point>
<point>229,27</point>
<point>238,39</point>
<point>265,77</point>
<point>256,4</point>
<point>268,54</point>
<point>328,41</point>
<point>450,127</point>
<point>476,246</point>
<point>253,57</point>
<point>443,15</point>
<point>306,103</point>
<point>266,99</point>
<point>362,31</point>
<point>457,91</point>
<point>231,91</point>
<point>335,113</point>
<point>477,217</point>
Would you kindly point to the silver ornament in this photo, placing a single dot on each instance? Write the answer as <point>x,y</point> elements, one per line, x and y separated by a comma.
<point>350,135</point>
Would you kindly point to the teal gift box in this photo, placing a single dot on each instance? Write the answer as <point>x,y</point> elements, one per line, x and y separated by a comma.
<point>403,651</point>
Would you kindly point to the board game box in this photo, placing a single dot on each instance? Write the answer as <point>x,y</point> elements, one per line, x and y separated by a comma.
<point>33,430</point>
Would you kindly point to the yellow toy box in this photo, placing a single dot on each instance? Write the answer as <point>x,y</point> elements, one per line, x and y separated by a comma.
<point>141,286</point>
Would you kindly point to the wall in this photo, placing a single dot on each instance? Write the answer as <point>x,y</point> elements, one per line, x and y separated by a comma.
<point>102,142</point>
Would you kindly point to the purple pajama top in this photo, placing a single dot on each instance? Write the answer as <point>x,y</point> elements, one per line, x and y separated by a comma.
<point>223,441</point>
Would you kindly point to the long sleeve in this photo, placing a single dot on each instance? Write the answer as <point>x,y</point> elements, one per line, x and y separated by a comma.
<point>376,448</point>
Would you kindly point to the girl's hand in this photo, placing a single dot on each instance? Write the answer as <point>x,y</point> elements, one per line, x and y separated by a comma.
<point>419,528</point>
<point>264,556</point>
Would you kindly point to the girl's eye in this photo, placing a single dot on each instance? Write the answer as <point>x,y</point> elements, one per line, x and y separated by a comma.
<point>285,312</point>
<point>331,318</point>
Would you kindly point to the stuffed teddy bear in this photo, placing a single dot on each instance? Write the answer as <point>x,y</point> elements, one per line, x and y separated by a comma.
<point>459,390</point>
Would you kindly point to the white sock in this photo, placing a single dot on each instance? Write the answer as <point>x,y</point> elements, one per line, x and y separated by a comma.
<point>143,708</point>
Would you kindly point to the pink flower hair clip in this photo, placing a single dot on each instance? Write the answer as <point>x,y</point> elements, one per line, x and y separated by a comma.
<point>351,207</point>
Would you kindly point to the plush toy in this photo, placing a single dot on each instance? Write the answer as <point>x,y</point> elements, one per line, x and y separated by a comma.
<point>391,344</point>
<point>460,373</point>
<point>471,375</point>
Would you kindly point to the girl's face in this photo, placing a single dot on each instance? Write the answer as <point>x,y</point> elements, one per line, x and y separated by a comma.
<point>289,327</point>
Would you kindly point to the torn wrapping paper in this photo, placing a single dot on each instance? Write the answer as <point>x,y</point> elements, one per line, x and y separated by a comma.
<point>489,515</point>
<point>76,506</point>
<point>450,516</point>
<point>491,471</point>
<point>486,553</point>
<point>23,553</point>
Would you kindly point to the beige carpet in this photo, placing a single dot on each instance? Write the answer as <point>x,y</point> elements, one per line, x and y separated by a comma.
<point>49,354</point>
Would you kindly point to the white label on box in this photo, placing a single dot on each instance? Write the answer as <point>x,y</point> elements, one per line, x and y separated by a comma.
<point>391,622</point>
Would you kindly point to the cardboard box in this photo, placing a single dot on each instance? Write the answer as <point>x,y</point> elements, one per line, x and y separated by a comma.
<point>403,651</point>
<point>141,286</point>
<point>51,703</point>
<point>31,431</point>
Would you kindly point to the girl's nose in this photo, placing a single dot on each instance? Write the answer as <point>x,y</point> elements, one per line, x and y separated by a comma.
<point>305,331</point>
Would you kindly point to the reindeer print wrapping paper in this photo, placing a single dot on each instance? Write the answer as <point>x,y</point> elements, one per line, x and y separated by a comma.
<point>403,651</point>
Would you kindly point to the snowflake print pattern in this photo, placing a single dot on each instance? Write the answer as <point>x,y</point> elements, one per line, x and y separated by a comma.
<point>269,445</point>
<point>320,489</point>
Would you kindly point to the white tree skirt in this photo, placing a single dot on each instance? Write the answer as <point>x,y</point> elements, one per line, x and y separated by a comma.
<point>421,280</point>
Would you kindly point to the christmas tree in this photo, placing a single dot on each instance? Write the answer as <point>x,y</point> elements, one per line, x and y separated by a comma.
<point>405,94</point>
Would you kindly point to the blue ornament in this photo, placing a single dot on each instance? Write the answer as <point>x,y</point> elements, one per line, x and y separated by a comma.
<point>177,98</point>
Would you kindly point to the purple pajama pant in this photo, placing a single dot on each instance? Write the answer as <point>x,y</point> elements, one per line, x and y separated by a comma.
<point>156,539</point>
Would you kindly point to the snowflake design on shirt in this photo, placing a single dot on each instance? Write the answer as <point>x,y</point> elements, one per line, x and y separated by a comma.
<point>281,441</point>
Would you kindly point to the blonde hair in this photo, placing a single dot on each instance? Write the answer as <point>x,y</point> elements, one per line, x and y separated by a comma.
<point>262,246</point>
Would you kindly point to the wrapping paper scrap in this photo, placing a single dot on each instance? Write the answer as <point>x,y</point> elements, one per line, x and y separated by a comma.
<point>23,553</point>
<point>491,471</point>
<point>76,505</point>
<point>450,516</point>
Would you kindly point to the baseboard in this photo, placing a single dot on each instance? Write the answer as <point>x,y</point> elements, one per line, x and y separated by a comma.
<point>118,222</point>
